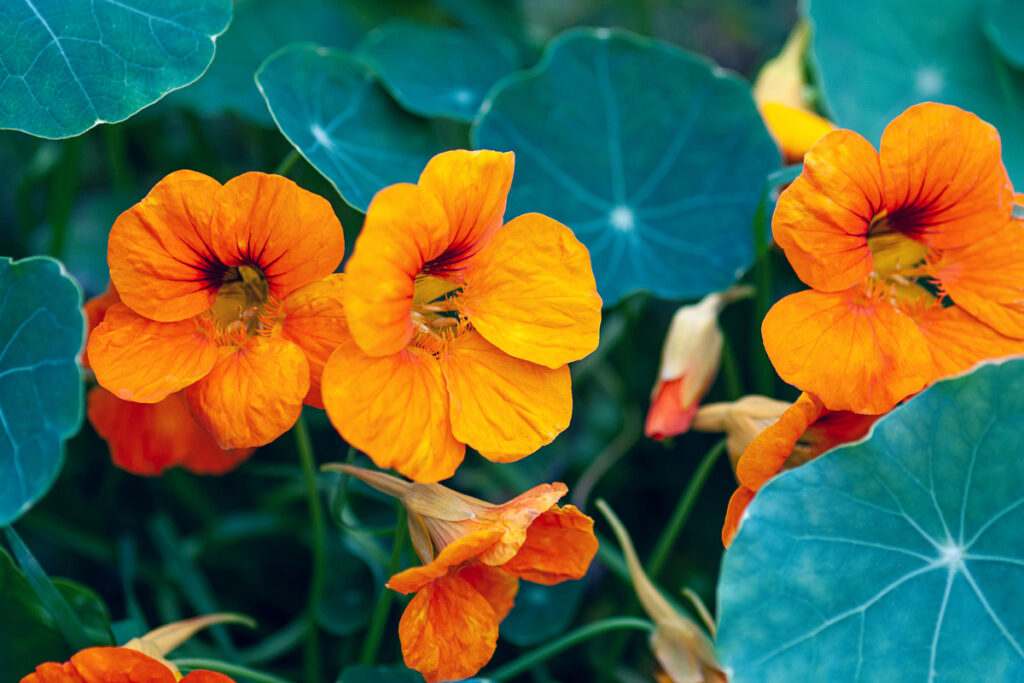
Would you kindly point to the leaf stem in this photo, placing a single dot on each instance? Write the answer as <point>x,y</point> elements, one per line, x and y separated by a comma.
<point>316,521</point>
<point>246,674</point>
<point>764,374</point>
<point>380,614</point>
<point>287,163</point>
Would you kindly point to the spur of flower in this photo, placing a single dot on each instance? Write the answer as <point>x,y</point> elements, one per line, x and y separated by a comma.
<point>474,554</point>
<point>227,295</point>
<point>461,325</point>
<point>914,259</point>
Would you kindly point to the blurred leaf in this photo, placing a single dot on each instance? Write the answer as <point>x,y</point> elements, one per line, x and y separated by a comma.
<point>653,156</point>
<point>1005,26</point>
<point>90,610</point>
<point>327,104</point>
<point>349,594</point>
<point>434,71</point>
<point>907,52</point>
<point>541,612</point>
<point>379,674</point>
<point>66,65</point>
<point>41,331</point>
<point>897,558</point>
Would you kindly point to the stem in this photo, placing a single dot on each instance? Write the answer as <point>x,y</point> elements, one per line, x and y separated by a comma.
<point>731,372</point>
<point>286,164</point>
<point>341,492</point>
<point>117,156</point>
<point>380,614</point>
<point>682,511</point>
<point>63,187</point>
<point>764,375</point>
<point>192,664</point>
<point>541,654</point>
<point>316,521</point>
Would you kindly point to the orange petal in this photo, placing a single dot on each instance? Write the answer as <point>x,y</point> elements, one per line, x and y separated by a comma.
<point>667,415</point>
<point>460,550</point>
<point>958,341</point>
<point>394,409</point>
<point>206,677</point>
<point>794,129</point>
<point>944,180</point>
<point>853,351</point>
<point>253,394</point>
<point>105,664</point>
<point>145,361</point>
<point>95,310</point>
<point>822,218</point>
<point>764,456</point>
<point>515,518</point>
<point>559,545</point>
<point>160,253</point>
<point>734,515</point>
<point>405,228</point>
<point>448,631</point>
<point>472,188</point>
<point>314,319</point>
<point>498,587</point>
<point>52,672</point>
<point>531,292</point>
<point>504,407</point>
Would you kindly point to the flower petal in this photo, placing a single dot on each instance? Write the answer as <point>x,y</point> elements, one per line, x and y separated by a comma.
<point>101,664</point>
<point>504,407</point>
<point>668,416</point>
<point>497,586</point>
<point>795,130</point>
<point>515,518</point>
<point>531,292</point>
<point>457,552</point>
<point>853,351</point>
<point>559,545</point>
<point>253,394</point>
<point>448,631</point>
<point>958,340</point>
<point>159,250</point>
<point>95,310</point>
<point>734,514</point>
<point>206,677</point>
<point>394,409</point>
<point>763,458</point>
<point>145,361</point>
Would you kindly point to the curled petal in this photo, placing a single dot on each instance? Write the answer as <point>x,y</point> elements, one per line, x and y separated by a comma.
<point>559,546</point>
<point>516,517</point>
<point>451,556</point>
<point>497,586</point>
<point>101,664</point>
<point>95,310</point>
<point>734,514</point>
<point>764,456</point>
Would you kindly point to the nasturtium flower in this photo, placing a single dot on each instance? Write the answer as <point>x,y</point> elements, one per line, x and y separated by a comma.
<point>740,420</point>
<point>462,325</point>
<point>226,294</point>
<point>474,554</point>
<point>887,240</point>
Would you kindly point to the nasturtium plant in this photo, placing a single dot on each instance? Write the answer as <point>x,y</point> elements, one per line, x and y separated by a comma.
<point>1005,26</point>
<point>541,612</point>
<point>900,557</point>
<point>327,103</point>
<point>41,331</point>
<point>379,674</point>
<point>67,65</point>
<point>656,158</point>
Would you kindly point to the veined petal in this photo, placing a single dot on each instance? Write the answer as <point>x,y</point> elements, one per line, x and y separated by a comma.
<point>253,394</point>
<point>763,458</point>
<point>515,518</point>
<point>394,409</point>
<point>206,677</point>
<point>160,254</point>
<point>734,514</point>
<point>102,664</point>
<point>560,545</point>
<point>405,227</point>
<point>854,351</point>
<point>504,407</point>
<point>448,631</point>
<point>313,318</point>
<point>457,552</point>
<point>145,361</point>
<point>822,218</point>
<point>795,130</point>
<point>95,310</point>
<point>958,340</point>
<point>498,587</point>
<point>531,292</point>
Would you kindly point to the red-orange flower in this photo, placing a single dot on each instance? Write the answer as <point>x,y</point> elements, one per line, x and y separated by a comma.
<point>116,665</point>
<point>461,324</point>
<point>474,554</point>
<point>874,234</point>
<point>226,293</point>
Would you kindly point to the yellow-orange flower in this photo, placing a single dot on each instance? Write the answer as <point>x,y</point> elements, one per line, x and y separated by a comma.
<point>474,554</point>
<point>875,234</point>
<point>461,325</point>
<point>226,293</point>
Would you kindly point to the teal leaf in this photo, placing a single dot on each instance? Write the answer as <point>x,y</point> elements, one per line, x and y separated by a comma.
<point>655,157</point>
<point>899,558</point>
<point>379,674</point>
<point>877,57</point>
<point>328,105</point>
<point>541,612</point>
<point>1005,27</point>
<point>67,65</point>
<point>434,71</point>
<point>41,398</point>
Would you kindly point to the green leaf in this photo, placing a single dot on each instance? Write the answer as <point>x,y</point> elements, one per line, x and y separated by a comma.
<point>349,594</point>
<point>67,65</point>
<point>541,612</point>
<point>90,610</point>
<point>1005,27</point>
<point>899,558</point>
<point>877,57</point>
<point>379,674</point>
<point>655,157</point>
<point>328,105</point>
<point>41,332</point>
<point>435,71</point>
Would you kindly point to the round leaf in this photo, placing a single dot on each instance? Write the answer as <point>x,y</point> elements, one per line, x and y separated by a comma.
<point>1006,29</point>
<point>327,104</point>
<point>899,558</point>
<point>67,65</point>
<point>655,157</point>
<point>541,612</point>
<point>41,333</point>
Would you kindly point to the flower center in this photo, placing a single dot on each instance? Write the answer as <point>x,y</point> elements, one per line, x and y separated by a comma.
<point>241,299</point>
<point>900,264</point>
<point>436,311</point>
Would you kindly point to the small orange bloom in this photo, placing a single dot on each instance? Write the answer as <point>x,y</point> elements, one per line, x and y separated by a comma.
<point>474,554</point>
<point>226,293</point>
<point>874,234</point>
<point>461,325</point>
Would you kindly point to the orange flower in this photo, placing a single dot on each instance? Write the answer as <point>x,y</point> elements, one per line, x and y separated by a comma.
<point>874,233</point>
<point>116,665</point>
<point>226,293</point>
<point>474,554</point>
<point>461,327</point>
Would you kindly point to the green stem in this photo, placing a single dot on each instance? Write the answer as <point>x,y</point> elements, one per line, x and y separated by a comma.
<point>541,654</point>
<point>380,614</point>
<point>341,492</point>
<point>245,674</point>
<point>117,156</point>
<point>316,521</point>
<point>764,374</point>
<point>682,511</point>
<point>286,164</point>
<point>731,372</point>
<point>63,187</point>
